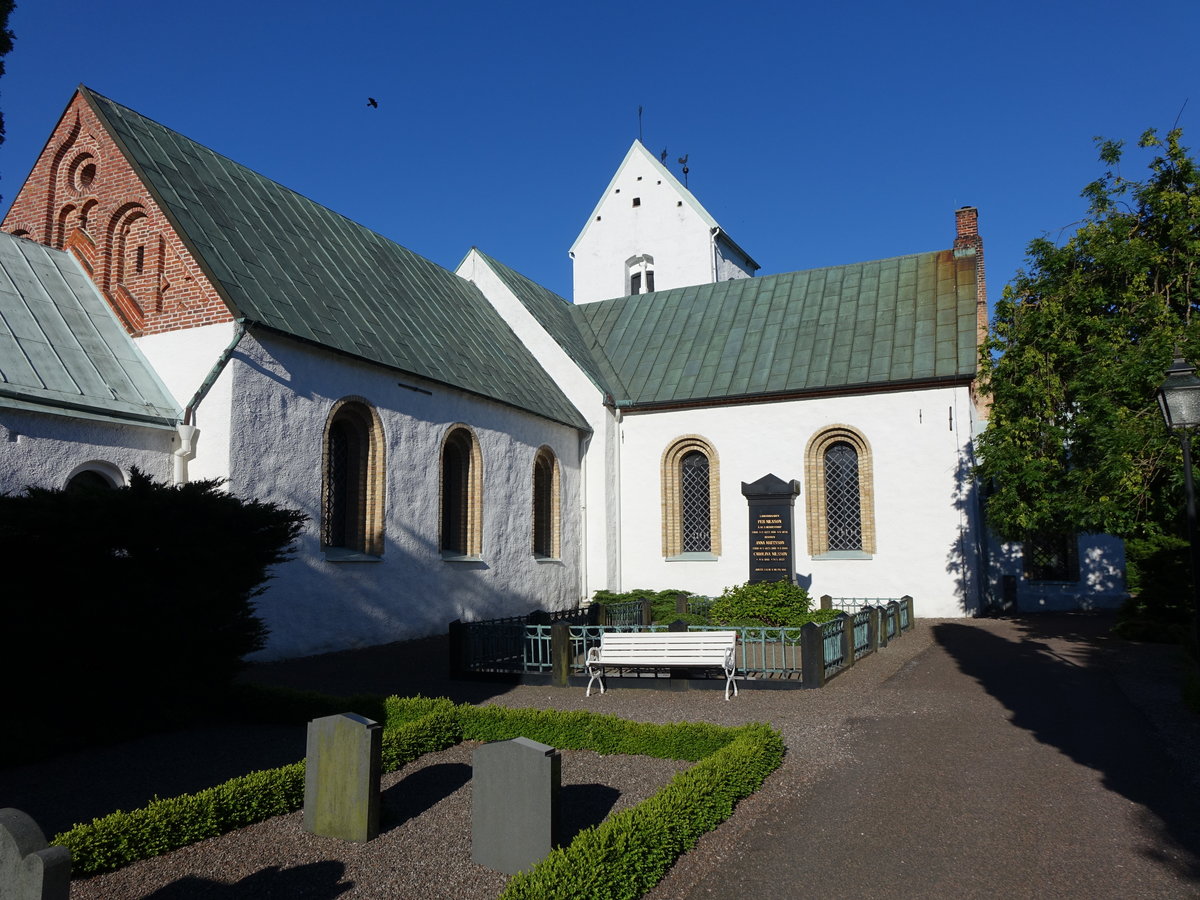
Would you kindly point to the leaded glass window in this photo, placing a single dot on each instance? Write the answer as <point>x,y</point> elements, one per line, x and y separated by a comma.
<point>346,474</point>
<point>696,521</point>
<point>842,503</point>
<point>543,505</point>
<point>456,479</point>
<point>1052,557</point>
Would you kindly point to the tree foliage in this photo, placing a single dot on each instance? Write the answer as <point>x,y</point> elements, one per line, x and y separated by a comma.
<point>1079,344</point>
<point>139,600</point>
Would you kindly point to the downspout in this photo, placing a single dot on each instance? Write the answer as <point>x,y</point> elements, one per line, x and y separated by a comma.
<point>713,233</point>
<point>187,428</point>
<point>584,592</point>
<point>616,523</point>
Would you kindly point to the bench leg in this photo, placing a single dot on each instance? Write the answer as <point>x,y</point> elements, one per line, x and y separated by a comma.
<point>730,680</point>
<point>596,675</point>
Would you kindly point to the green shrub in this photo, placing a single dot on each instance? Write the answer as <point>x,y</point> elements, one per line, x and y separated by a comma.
<point>623,857</point>
<point>152,593</point>
<point>762,603</point>
<point>628,853</point>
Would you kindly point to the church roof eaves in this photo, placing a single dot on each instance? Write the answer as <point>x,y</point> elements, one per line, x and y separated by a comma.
<point>62,349</point>
<point>879,325</point>
<point>287,263</point>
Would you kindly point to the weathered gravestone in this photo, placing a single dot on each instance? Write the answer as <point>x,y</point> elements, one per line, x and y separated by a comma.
<point>341,777</point>
<point>29,868</point>
<point>514,803</point>
<point>771,501</point>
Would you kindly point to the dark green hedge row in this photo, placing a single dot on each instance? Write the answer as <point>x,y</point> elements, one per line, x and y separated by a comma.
<point>622,857</point>
<point>631,851</point>
<point>121,838</point>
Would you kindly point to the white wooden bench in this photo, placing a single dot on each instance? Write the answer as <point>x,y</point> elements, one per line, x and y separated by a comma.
<point>660,649</point>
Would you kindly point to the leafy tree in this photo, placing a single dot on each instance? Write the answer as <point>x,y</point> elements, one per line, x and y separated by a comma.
<point>139,600</point>
<point>1079,344</point>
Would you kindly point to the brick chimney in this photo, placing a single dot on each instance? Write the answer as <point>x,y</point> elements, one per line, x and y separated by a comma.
<point>967,242</point>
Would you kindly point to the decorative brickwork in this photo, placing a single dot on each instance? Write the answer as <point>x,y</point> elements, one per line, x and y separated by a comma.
<point>84,196</point>
<point>547,505</point>
<point>353,481</point>
<point>461,493</point>
<point>673,512</point>
<point>819,502</point>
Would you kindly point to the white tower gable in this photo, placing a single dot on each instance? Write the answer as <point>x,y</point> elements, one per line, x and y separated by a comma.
<point>647,233</point>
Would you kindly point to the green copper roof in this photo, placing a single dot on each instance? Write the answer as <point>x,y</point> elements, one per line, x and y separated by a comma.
<point>287,263</point>
<point>907,319</point>
<point>559,317</point>
<point>62,349</point>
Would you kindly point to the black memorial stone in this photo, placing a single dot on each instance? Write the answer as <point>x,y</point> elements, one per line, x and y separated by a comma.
<point>771,502</point>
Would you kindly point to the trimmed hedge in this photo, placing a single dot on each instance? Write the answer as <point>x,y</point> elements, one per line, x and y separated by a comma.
<point>622,857</point>
<point>121,838</point>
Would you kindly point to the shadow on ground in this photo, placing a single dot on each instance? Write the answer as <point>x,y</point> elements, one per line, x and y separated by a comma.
<point>1058,684</point>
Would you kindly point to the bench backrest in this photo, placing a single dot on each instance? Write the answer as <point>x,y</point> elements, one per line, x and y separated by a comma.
<point>647,645</point>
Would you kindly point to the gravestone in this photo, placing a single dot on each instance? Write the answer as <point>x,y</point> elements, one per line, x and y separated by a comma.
<point>514,803</point>
<point>29,868</point>
<point>341,777</point>
<point>771,502</point>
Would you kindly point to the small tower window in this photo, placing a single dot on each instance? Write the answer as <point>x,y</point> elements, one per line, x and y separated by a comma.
<point>639,274</point>
<point>637,201</point>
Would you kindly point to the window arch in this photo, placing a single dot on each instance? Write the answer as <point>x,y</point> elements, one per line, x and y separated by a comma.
<point>841,492</point>
<point>352,486</point>
<point>462,494</point>
<point>546,505</point>
<point>93,475</point>
<point>691,497</point>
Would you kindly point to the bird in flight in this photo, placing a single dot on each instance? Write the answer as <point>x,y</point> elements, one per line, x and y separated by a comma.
<point>372,102</point>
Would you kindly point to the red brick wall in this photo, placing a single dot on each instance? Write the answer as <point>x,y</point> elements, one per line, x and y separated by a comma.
<point>84,197</point>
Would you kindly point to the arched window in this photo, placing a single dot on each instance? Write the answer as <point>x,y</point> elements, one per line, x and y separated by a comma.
<point>691,498</point>
<point>545,505</point>
<point>95,475</point>
<point>840,500</point>
<point>353,479</point>
<point>462,494</point>
<point>639,274</point>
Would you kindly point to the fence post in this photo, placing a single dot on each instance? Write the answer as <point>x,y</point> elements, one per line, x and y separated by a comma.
<point>907,599</point>
<point>847,639</point>
<point>681,604</point>
<point>894,608</point>
<point>647,612</point>
<point>812,656</point>
<point>595,613</point>
<point>826,602</point>
<point>873,628</point>
<point>560,653</point>
<point>883,634</point>
<point>457,645</point>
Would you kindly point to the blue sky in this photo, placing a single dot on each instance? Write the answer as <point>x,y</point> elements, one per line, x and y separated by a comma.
<point>817,134</point>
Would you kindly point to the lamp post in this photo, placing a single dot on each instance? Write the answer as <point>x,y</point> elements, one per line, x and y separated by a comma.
<point>1179,400</point>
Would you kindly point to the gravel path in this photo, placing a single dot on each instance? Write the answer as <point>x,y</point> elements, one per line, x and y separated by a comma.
<point>424,851</point>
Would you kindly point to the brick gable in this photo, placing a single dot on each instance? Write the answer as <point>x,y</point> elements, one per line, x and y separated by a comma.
<point>83,196</point>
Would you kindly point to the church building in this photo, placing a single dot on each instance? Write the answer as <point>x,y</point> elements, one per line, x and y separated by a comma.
<point>470,445</point>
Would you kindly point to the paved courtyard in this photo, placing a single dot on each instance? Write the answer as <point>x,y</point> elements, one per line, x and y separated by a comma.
<point>1023,757</point>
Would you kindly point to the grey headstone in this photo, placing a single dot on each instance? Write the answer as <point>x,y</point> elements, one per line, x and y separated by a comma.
<point>514,803</point>
<point>341,777</point>
<point>29,869</point>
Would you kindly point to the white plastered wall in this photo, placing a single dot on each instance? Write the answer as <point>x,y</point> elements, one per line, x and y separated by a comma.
<point>925,522</point>
<point>668,224</point>
<point>283,392</point>
<point>183,360</point>
<point>44,450</point>
<point>600,548</point>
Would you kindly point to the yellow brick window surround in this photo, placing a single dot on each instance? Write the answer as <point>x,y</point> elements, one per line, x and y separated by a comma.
<point>691,498</point>
<point>840,501</point>
<point>353,476</point>
<point>461,534</point>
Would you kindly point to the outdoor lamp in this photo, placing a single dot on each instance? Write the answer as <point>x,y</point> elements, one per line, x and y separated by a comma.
<point>1179,396</point>
<point>1179,399</point>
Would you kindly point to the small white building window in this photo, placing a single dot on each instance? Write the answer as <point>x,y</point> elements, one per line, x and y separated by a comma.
<point>639,274</point>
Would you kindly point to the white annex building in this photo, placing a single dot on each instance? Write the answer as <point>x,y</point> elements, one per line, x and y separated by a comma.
<point>470,445</point>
